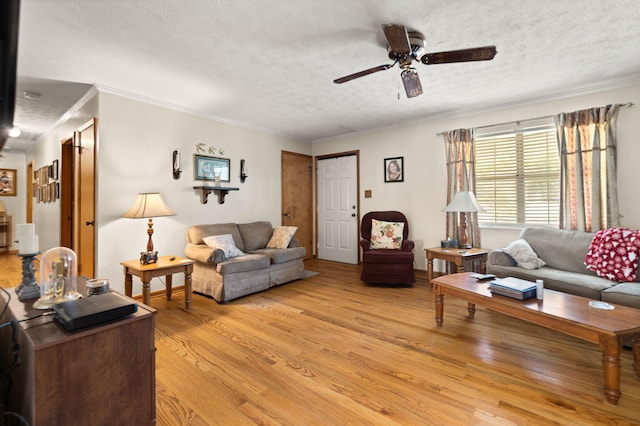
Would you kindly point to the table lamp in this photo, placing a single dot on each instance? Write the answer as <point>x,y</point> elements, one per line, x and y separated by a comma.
<point>148,205</point>
<point>463,202</point>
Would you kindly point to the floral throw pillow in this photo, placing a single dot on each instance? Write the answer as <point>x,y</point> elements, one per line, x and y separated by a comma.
<point>386,235</point>
<point>281,237</point>
<point>225,243</point>
<point>613,254</point>
<point>524,255</point>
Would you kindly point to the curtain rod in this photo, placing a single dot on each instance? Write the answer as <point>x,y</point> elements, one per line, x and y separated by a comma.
<point>518,122</point>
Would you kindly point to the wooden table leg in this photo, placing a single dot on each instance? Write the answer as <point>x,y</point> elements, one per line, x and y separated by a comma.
<point>471,308</point>
<point>169,289</point>
<point>187,289</point>
<point>636,354</point>
<point>429,269</point>
<point>460,265</point>
<point>146,291</point>
<point>611,367</point>
<point>128,282</point>
<point>439,305</point>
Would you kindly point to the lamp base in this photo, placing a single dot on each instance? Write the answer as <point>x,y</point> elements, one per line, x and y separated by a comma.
<point>464,246</point>
<point>148,257</point>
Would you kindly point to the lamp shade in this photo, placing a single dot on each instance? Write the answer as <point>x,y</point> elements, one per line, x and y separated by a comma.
<point>148,204</point>
<point>463,201</point>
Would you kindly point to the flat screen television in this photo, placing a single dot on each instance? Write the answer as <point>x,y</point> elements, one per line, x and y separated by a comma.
<point>9,20</point>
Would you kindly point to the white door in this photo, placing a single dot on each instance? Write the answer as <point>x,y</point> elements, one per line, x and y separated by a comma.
<point>338,209</point>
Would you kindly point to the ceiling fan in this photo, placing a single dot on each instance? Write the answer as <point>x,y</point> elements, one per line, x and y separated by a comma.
<point>405,46</point>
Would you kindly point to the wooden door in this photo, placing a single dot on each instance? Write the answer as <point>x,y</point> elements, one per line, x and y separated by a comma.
<point>338,216</point>
<point>29,182</point>
<point>83,223</point>
<point>67,192</point>
<point>297,188</point>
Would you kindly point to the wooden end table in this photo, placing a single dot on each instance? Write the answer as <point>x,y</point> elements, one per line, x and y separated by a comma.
<point>456,256</point>
<point>163,267</point>
<point>558,311</point>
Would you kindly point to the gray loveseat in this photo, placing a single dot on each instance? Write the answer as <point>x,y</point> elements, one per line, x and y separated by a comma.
<point>258,269</point>
<point>564,254</point>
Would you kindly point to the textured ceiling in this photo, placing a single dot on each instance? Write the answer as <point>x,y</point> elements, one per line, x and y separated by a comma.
<point>271,64</point>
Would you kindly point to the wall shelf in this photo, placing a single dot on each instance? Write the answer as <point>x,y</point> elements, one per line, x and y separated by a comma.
<point>220,190</point>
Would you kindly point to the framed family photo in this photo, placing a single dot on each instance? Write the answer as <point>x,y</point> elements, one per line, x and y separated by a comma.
<point>394,169</point>
<point>206,168</point>
<point>8,182</point>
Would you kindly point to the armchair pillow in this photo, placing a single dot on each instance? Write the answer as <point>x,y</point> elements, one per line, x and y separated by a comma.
<point>523,254</point>
<point>225,243</point>
<point>386,235</point>
<point>281,237</point>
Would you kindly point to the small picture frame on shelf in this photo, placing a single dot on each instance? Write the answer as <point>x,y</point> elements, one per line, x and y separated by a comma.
<point>394,169</point>
<point>206,168</point>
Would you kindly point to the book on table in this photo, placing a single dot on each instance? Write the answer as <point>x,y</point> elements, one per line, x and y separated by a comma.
<point>513,287</point>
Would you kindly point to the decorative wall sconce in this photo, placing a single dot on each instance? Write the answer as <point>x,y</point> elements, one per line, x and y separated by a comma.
<point>243,171</point>
<point>176,165</point>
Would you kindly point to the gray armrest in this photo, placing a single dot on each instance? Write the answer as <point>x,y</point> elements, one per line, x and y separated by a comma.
<point>204,253</point>
<point>500,258</point>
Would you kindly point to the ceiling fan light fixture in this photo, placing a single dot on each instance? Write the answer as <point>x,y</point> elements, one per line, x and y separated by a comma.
<point>411,82</point>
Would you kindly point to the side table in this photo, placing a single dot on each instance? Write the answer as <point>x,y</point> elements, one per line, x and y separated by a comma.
<point>163,267</point>
<point>456,256</point>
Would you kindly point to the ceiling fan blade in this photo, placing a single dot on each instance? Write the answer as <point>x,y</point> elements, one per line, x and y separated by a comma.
<point>397,38</point>
<point>362,73</point>
<point>485,53</point>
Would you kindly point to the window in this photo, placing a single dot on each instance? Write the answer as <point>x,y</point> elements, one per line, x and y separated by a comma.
<point>518,176</point>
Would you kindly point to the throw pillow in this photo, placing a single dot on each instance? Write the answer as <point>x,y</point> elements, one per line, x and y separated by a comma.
<point>524,255</point>
<point>386,235</point>
<point>613,254</point>
<point>225,243</point>
<point>281,237</point>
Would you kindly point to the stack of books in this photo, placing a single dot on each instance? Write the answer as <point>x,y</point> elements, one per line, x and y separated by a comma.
<point>513,287</point>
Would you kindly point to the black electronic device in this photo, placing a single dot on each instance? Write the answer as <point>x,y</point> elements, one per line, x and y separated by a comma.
<point>9,20</point>
<point>94,310</point>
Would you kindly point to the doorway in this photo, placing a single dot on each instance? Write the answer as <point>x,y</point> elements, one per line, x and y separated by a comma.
<point>77,196</point>
<point>338,207</point>
<point>297,199</point>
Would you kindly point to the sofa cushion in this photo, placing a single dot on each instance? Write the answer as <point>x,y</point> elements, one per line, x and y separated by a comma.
<point>255,235</point>
<point>627,294</point>
<point>225,243</point>
<point>248,262</point>
<point>559,248</point>
<point>282,255</point>
<point>523,254</point>
<point>197,233</point>
<point>613,254</point>
<point>281,237</point>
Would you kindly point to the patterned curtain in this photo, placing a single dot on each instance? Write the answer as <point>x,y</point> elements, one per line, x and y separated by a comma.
<point>588,169</point>
<point>461,176</point>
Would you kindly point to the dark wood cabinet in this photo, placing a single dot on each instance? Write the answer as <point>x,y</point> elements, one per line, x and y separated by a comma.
<point>103,375</point>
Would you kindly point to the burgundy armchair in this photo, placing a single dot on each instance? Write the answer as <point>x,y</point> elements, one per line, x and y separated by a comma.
<point>386,266</point>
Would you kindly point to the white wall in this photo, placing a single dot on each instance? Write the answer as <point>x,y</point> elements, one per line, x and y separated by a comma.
<point>136,142</point>
<point>422,195</point>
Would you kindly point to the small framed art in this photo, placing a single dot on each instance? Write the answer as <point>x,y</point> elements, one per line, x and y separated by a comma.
<point>8,182</point>
<point>206,168</point>
<point>394,169</point>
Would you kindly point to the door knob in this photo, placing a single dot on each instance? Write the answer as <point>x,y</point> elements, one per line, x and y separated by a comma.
<point>89,223</point>
<point>285,214</point>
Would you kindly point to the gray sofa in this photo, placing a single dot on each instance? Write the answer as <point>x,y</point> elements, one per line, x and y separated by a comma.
<point>259,269</point>
<point>564,254</point>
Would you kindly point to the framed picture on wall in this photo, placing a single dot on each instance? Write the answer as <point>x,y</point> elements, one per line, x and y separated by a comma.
<point>206,168</point>
<point>394,169</point>
<point>8,182</point>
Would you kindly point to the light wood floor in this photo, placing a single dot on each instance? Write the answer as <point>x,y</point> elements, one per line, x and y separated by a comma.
<point>329,350</point>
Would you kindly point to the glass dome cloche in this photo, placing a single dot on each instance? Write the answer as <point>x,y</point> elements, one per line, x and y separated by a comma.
<point>58,274</point>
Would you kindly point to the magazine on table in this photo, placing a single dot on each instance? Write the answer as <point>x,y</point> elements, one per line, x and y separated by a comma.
<point>513,283</point>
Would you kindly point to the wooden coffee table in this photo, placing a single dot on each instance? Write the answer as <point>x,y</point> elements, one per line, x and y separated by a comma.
<point>558,311</point>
